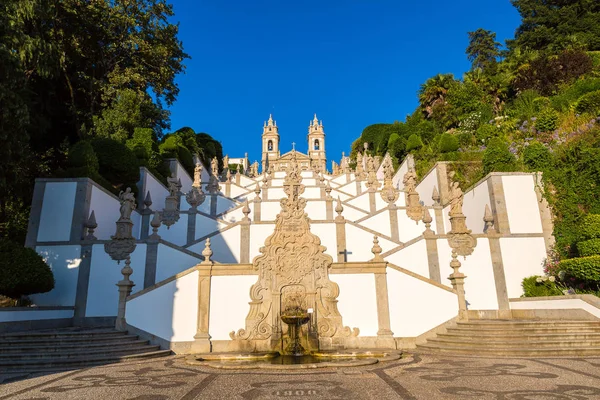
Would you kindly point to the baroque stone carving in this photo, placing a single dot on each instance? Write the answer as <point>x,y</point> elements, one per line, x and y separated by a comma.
<point>122,244</point>
<point>292,256</point>
<point>170,213</point>
<point>360,172</point>
<point>460,239</point>
<point>389,194</point>
<point>372,182</point>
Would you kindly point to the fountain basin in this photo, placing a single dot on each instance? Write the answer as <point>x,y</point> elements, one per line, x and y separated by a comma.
<point>325,359</point>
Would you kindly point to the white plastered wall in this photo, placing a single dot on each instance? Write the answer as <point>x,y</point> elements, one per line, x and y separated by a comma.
<point>399,176</point>
<point>555,304</point>
<point>522,257</point>
<point>169,311</point>
<point>158,192</point>
<point>103,294</point>
<point>316,210</point>
<point>327,233</point>
<point>206,225</point>
<point>57,212</point>
<point>358,311</point>
<point>224,204</point>
<point>379,223</point>
<point>360,242</point>
<point>176,233</point>
<point>171,261</point>
<point>409,229</point>
<point>412,258</point>
<point>64,262</point>
<point>106,209</point>
<point>425,187</point>
<point>522,204</point>
<point>229,298</point>
<point>474,203</point>
<point>480,287</point>
<point>417,306</point>
<point>225,246</point>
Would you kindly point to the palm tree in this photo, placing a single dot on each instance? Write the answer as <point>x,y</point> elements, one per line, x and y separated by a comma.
<point>433,93</point>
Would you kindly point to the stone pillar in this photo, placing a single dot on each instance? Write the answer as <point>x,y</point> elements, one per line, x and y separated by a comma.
<point>497,265</point>
<point>202,342</point>
<point>81,209</point>
<point>191,225</point>
<point>545,213</point>
<point>372,203</point>
<point>151,262</point>
<point>498,204</point>
<point>383,308</point>
<point>340,231</point>
<point>213,205</point>
<point>358,187</point>
<point>442,179</point>
<point>393,210</point>
<point>35,214</point>
<point>83,282</point>
<point>228,188</point>
<point>329,208</point>
<point>458,283</point>
<point>125,285</point>
<point>245,235</point>
<point>433,259</point>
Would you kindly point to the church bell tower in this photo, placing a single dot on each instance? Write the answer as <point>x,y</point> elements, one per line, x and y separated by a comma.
<point>316,144</point>
<point>270,143</point>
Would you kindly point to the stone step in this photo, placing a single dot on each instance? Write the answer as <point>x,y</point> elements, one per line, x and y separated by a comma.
<point>107,340</point>
<point>503,324</point>
<point>80,348</point>
<point>514,344</point>
<point>85,334</point>
<point>41,365</point>
<point>546,352</point>
<point>9,359</point>
<point>530,337</point>
<point>520,331</point>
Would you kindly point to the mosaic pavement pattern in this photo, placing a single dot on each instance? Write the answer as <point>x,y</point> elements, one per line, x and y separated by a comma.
<point>415,377</point>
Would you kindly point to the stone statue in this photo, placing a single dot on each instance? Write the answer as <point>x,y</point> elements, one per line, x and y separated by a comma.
<point>410,181</point>
<point>127,200</point>
<point>197,176</point>
<point>456,199</point>
<point>214,166</point>
<point>226,162</point>
<point>173,185</point>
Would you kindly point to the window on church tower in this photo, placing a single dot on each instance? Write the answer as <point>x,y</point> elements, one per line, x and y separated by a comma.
<point>270,145</point>
<point>317,146</point>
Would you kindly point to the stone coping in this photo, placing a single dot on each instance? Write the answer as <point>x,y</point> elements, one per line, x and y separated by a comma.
<point>588,298</point>
<point>421,278</point>
<point>37,308</point>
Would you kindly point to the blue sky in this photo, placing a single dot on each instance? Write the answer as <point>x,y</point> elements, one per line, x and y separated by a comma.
<point>353,62</point>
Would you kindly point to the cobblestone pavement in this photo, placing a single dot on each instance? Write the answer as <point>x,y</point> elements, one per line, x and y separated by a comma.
<point>413,377</point>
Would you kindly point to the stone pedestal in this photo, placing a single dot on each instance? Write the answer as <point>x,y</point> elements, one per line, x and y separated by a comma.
<point>125,285</point>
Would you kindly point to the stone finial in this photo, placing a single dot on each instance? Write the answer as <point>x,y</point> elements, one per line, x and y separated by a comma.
<point>195,197</point>
<point>414,209</point>
<point>148,200</point>
<point>427,221</point>
<point>155,224</point>
<point>207,252</point>
<point>376,250</point>
<point>339,209</point>
<point>321,178</point>
<point>246,211</point>
<point>257,191</point>
<point>228,176</point>
<point>91,226</point>
<point>488,219</point>
<point>435,196</point>
<point>328,190</point>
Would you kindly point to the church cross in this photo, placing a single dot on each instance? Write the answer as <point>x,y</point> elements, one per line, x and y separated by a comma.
<point>345,253</point>
<point>294,146</point>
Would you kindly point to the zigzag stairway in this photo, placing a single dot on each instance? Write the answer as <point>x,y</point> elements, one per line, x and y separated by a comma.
<point>517,338</point>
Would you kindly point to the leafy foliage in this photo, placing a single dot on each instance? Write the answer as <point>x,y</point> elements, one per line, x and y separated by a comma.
<point>584,268</point>
<point>413,143</point>
<point>498,158</point>
<point>117,163</point>
<point>547,120</point>
<point>533,288</point>
<point>537,157</point>
<point>589,247</point>
<point>483,49</point>
<point>448,143</point>
<point>22,271</point>
<point>589,103</point>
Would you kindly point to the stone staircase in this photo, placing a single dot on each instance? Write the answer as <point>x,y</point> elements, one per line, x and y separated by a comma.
<point>70,348</point>
<point>517,338</point>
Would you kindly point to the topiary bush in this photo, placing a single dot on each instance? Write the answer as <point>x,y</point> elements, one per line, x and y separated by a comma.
<point>584,268</point>
<point>22,271</point>
<point>537,157</point>
<point>547,120</point>
<point>170,147</point>
<point>118,164</point>
<point>537,286</point>
<point>144,145</point>
<point>589,103</point>
<point>82,154</point>
<point>497,157</point>
<point>414,142</point>
<point>448,143</point>
<point>589,227</point>
<point>589,247</point>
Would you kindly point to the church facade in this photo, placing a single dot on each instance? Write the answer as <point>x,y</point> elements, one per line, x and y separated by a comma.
<point>272,159</point>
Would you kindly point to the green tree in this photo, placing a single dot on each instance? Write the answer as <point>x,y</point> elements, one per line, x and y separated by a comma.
<point>432,95</point>
<point>483,50</point>
<point>557,24</point>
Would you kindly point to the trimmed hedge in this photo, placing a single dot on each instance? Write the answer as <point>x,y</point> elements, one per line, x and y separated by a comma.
<point>414,142</point>
<point>22,271</point>
<point>584,268</point>
<point>82,154</point>
<point>533,288</point>
<point>590,227</point>
<point>589,103</point>
<point>589,247</point>
<point>118,164</point>
<point>448,143</point>
<point>497,157</point>
<point>537,157</point>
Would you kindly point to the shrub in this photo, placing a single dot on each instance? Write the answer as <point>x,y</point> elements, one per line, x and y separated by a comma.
<point>533,288</point>
<point>589,247</point>
<point>22,271</point>
<point>82,154</point>
<point>537,157</point>
<point>448,143</point>
<point>584,268</point>
<point>392,140</point>
<point>497,157</point>
<point>590,227</point>
<point>170,147</point>
<point>414,142</point>
<point>144,145</point>
<point>118,164</point>
<point>547,120</point>
<point>589,103</point>
<point>485,132</point>
<point>525,105</point>
<point>570,94</point>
